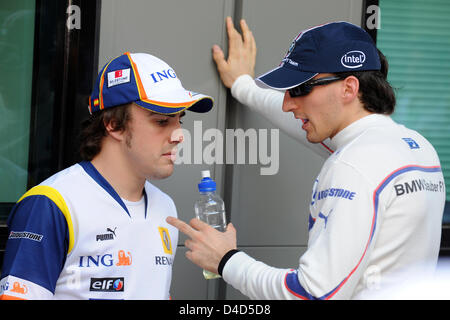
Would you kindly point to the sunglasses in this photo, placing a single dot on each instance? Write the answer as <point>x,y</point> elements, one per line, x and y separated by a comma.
<point>305,88</point>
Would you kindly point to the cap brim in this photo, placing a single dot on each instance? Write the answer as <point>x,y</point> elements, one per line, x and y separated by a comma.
<point>282,78</point>
<point>201,103</point>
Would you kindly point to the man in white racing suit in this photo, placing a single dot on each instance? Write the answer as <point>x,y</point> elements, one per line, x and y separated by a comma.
<point>377,203</point>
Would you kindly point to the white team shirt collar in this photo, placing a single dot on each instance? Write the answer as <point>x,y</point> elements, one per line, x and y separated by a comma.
<point>353,130</point>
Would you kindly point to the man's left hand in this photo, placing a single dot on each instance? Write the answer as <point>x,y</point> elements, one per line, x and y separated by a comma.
<point>206,245</point>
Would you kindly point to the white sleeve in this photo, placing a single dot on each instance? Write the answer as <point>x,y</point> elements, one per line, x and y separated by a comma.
<point>341,236</point>
<point>255,279</point>
<point>268,103</point>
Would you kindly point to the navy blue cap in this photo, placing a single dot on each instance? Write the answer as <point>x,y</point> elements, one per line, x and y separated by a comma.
<point>329,48</point>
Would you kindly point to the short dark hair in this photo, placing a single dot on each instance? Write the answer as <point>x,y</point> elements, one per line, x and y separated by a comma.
<point>376,94</point>
<point>93,129</point>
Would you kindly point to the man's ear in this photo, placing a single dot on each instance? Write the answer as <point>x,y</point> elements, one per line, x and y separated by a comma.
<point>111,131</point>
<point>350,89</point>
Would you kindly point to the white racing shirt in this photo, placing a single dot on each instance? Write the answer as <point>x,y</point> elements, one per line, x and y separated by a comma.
<point>73,237</point>
<point>375,214</point>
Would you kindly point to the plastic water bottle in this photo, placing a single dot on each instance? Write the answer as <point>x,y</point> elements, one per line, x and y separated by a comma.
<point>210,208</point>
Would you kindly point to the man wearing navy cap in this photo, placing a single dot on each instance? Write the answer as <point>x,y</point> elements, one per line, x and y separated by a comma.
<point>97,230</point>
<point>377,203</point>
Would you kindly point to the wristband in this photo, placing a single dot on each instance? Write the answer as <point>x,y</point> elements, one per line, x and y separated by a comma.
<point>225,259</point>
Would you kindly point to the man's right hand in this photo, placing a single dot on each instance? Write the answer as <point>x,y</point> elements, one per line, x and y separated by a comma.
<point>241,54</point>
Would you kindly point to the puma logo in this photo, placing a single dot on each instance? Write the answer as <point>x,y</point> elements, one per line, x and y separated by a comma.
<point>107,236</point>
<point>324,217</point>
<point>112,231</point>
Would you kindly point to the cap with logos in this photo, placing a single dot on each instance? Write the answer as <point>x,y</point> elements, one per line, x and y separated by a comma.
<point>329,48</point>
<point>147,81</point>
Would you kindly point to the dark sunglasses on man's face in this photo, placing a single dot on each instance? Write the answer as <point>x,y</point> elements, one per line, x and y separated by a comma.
<point>305,88</point>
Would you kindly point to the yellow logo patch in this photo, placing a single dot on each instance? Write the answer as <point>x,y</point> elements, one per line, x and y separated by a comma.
<point>165,238</point>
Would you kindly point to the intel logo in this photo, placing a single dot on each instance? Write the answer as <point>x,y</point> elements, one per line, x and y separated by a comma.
<point>353,59</point>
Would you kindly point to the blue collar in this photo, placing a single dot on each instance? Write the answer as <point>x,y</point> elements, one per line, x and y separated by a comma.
<point>94,174</point>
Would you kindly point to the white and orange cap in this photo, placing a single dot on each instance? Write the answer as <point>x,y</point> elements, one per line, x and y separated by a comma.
<point>147,81</point>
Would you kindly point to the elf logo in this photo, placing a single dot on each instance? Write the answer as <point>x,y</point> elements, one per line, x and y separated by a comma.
<point>353,59</point>
<point>107,284</point>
